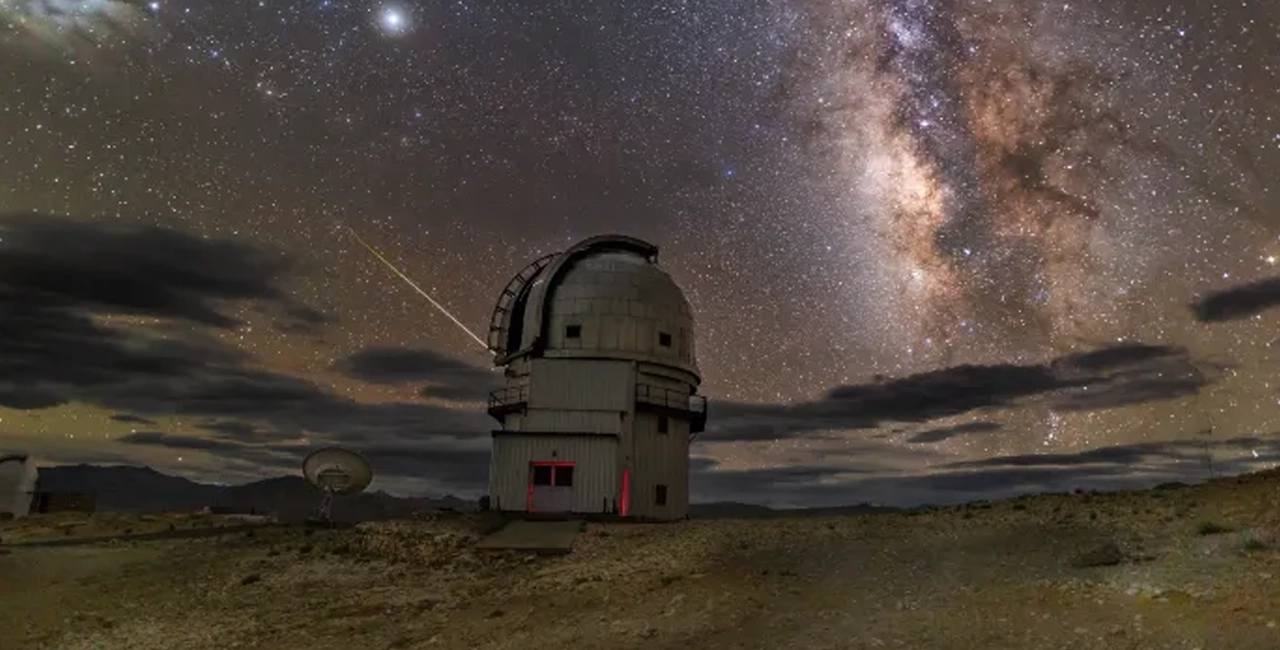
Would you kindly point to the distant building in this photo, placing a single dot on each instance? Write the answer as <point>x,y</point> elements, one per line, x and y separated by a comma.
<point>600,398</point>
<point>17,485</point>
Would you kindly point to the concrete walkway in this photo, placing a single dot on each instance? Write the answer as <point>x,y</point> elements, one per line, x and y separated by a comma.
<point>536,536</point>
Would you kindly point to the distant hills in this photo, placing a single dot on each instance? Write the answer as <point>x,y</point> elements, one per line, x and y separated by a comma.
<point>735,510</point>
<point>122,488</point>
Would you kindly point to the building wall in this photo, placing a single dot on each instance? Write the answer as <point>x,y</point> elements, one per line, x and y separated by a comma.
<point>574,396</point>
<point>581,385</point>
<point>547,420</point>
<point>572,401</point>
<point>659,459</point>
<point>595,475</point>
<point>17,486</point>
<point>665,378</point>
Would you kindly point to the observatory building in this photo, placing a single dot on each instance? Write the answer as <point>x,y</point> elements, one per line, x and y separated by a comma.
<point>600,398</point>
<point>17,485</point>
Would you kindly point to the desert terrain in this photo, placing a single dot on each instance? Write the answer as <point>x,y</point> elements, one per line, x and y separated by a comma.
<point>1171,568</point>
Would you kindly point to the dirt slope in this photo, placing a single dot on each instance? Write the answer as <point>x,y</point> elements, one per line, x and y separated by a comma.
<point>1140,570</point>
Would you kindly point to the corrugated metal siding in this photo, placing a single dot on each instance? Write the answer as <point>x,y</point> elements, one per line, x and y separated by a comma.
<point>686,379</point>
<point>660,459</point>
<point>663,381</point>
<point>595,477</point>
<point>581,384</point>
<point>576,421</point>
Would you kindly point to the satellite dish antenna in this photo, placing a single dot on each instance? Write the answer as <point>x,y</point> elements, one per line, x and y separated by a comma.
<point>336,471</point>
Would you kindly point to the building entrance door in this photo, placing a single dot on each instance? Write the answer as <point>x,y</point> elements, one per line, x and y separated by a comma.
<point>550,486</point>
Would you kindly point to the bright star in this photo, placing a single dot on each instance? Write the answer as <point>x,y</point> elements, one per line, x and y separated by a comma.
<point>393,20</point>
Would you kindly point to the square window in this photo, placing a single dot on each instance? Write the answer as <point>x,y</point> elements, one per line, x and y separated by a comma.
<point>573,331</point>
<point>564,476</point>
<point>542,475</point>
<point>663,424</point>
<point>664,339</point>
<point>660,495</point>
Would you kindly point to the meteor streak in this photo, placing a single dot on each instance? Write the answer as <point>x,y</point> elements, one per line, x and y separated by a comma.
<point>417,288</point>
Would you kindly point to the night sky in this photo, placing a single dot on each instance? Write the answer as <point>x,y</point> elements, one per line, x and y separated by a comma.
<point>936,250</point>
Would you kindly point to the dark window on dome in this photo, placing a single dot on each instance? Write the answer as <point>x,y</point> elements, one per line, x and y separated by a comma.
<point>660,495</point>
<point>664,339</point>
<point>663,424</point>
<point>573,331</point>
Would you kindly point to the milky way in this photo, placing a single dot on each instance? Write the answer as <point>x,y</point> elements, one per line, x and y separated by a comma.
<point>1006,164</point>
<point>75,26</point>
<point>850,192</point>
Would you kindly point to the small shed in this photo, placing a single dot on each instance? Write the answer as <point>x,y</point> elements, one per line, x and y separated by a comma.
<point>17,485</point>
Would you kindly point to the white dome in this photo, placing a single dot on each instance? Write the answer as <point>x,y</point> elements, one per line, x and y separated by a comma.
<point>604,298</point>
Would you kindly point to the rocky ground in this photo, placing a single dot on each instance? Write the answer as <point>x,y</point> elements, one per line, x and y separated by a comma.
<point>1174,568</point>
<point>66,526</point>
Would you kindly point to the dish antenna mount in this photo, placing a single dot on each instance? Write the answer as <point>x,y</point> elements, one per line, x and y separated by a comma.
<point>336,471</point>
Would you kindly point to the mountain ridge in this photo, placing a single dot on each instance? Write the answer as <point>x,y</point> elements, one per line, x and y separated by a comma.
<point>142,489</point>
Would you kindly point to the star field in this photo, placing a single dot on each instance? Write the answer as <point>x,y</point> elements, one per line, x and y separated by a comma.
<point>847,192</point>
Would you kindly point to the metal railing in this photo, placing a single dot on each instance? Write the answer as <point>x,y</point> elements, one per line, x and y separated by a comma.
<point>508,398</point>
<point>681,402</point>
<point>673,399</point>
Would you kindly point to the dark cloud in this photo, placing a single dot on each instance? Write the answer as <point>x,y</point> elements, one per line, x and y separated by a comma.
<point>701,463</point>
<point>301,319</point>
<point>60,278</point>
<point>230,428</point>
<point>252,405</point>
<point>269,420</point>
<point>1116,356</point>
<point>1113,376</point>
<point>244,432</point>
<point>176,442</point>
<point>831,486</point>
<point>29,397</point>
<point>946,433</point>
<point>1129,390</point>
<point>58,263</point>
<point>131,419</point>
<point>249,460</point>
<point>1238,302</point>
<point>1164,452</point>
<point>1109,468</point>
<point>305,314</point>
<point>44,348</point>
<point>446,377</point>
<point>460,467</point>
<point>1131,374</point>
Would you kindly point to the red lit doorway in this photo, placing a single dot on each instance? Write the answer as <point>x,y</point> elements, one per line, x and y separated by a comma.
<point>550,486</point>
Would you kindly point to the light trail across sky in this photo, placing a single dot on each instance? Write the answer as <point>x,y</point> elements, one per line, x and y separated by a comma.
<point>417,288</point>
